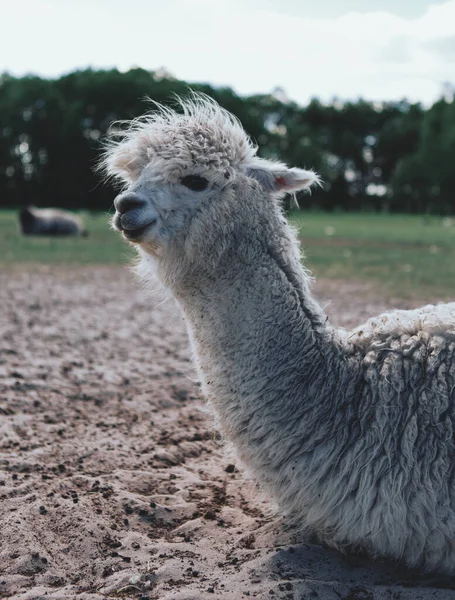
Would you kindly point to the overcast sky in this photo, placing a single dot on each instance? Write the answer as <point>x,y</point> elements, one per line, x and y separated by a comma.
<point>380,50</point>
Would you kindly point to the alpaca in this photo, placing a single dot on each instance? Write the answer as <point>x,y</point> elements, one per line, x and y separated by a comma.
<point>49,221</point>
<point>350,432</point>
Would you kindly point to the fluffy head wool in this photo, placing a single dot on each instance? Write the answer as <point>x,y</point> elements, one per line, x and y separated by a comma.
<point>203,138</point>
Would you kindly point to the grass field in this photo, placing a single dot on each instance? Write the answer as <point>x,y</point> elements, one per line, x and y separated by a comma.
<point>406,256</point>
<point>102,246</point>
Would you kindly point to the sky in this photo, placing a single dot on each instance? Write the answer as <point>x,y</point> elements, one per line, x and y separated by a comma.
<point>378,50</point>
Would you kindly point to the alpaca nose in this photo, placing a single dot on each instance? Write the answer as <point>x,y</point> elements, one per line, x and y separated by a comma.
<point>127,201</point>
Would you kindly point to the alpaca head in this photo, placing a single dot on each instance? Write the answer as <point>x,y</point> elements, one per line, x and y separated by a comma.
<point>178,167</point>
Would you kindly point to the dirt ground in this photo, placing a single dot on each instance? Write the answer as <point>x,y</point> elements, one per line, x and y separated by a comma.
<point>113,482</point>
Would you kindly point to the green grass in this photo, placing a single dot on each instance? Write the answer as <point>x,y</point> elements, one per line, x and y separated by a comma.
<point>102,246</point>
<point>405,256</point>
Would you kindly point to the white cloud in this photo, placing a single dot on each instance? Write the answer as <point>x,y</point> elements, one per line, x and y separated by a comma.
<point>226,42</point>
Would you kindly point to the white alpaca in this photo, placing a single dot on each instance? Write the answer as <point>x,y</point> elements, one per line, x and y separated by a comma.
<point>352,433</point>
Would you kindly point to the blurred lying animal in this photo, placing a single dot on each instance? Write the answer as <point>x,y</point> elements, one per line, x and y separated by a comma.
<point>50,221</point>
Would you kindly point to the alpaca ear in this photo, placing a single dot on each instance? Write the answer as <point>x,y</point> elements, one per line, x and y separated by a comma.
<point>278,178</point>
<point>293,180</point>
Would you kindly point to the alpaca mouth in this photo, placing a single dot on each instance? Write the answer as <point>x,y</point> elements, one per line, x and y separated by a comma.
<point>125,224</point>
<point>135,234</point>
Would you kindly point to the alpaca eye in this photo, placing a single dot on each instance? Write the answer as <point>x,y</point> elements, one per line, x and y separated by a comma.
<point>195,182</point>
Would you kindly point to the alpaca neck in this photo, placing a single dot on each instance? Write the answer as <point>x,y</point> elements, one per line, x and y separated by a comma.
<point>260,339</point>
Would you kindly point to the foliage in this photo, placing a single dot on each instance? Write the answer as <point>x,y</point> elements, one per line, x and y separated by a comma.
<point>389,156</point>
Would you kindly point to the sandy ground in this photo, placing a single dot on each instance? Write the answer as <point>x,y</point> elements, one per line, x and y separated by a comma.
<point>113,482</point>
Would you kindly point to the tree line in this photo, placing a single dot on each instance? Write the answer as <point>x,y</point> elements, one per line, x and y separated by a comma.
<point>389,156</point>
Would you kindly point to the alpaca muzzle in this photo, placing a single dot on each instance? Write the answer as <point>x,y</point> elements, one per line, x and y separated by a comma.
<point>133,216</point>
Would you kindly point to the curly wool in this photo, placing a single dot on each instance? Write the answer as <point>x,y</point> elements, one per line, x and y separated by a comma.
<point>203,138</point>
<point>351,432</point>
